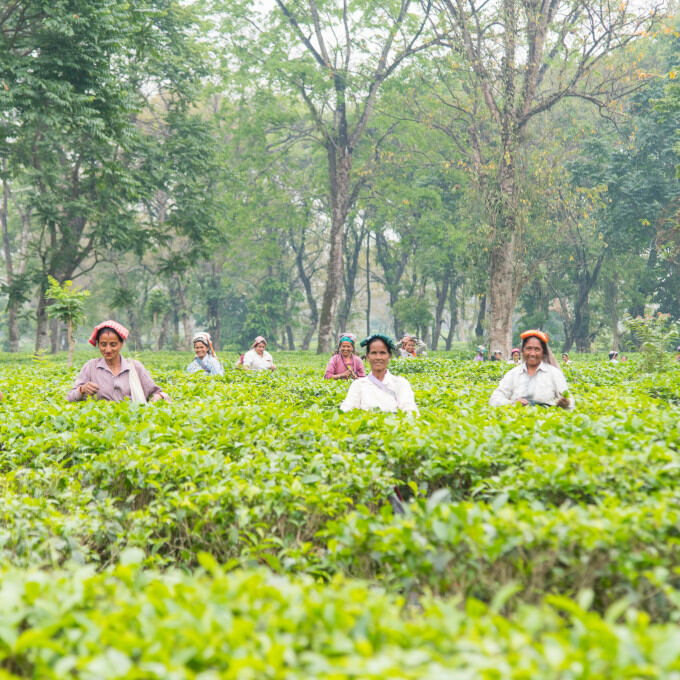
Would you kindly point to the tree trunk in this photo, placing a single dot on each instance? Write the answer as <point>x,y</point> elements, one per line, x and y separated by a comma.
<point>481,316</point>
<point>12,305</point>
<point>340,166</point>
<point>71,344</point>
<point>442,294</point>
<point>453,315</point>
<point>54,336</point>
<point>291,339</point>
<point>368,284</point>
<point>41,324</point>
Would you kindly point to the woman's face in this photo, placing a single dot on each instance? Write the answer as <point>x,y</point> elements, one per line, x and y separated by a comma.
<point>259,348</point>
<point>565,357</point>
<point>409,346</point>
<point>109,346</point>
<point>346,349</point>
<point>532,352</point>
<point>515,356</point>
<point>378,356</point>
<point>200,349</point>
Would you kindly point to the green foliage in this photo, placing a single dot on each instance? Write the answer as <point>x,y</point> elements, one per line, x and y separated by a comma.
<point>543,535</point>
<point>657,334</point>
<point>67,302</point>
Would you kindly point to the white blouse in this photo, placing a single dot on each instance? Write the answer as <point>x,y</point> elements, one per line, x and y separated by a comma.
<point>365,395</point>
<point>255,362</point>
<point>544,387</point>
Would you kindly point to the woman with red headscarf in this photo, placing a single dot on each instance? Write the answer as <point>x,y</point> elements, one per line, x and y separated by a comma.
<point>112,377</point>
<point>538,380</point>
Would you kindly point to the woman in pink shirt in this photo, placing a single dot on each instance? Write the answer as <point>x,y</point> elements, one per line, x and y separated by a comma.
<point>112,377</point>
<point>345,364</point>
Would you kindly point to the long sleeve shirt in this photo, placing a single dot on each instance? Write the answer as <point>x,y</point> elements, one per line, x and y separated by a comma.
<point>365,395</point>
<point>544,387</point>
<point>336,366</point>
<point>211,365</point>
<point>113,387</point>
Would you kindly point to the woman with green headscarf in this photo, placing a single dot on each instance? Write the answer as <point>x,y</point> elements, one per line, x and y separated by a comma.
<point>380,389</point>
<point>345,364</point>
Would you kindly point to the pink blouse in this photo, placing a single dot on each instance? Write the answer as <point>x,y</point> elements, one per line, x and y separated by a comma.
<point>336,366</point>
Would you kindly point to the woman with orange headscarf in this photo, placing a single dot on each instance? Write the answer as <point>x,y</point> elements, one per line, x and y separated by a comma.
<point>538,380</point>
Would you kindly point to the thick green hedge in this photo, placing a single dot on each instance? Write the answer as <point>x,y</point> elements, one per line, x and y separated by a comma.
<point>264,471</point>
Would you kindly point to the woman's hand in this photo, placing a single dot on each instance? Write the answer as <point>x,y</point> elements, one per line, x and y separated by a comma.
<point>156,397</point>
<point>89,388</point>
<point>562,402</point>
<point>523,401</point>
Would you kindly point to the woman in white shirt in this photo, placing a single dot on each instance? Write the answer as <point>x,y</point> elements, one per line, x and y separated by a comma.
<point>257,358</point>
<point>380,389</point>
<point>537,380</point>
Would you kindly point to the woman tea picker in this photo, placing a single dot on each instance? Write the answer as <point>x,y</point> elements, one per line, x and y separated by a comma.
<point>345,364</point>
<point>380,389</point>
<point>257,358</point>
<point>112,377</point>
<point>205,360</point>
<point>537,380</point>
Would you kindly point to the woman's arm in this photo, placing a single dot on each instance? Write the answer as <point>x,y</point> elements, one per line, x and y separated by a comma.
<point>359,370</point>
<point>83,378</point>
<point>407,400</point>
<point>353,398</point>
<point>502,395</point>
<point>330,369</point>
<point>561,387</point>
<point>151,391</point>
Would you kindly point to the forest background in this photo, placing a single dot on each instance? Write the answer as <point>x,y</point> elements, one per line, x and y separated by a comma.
<point>297,168</point>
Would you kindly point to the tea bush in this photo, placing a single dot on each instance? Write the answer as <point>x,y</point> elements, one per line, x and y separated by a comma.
<point>537,542</point>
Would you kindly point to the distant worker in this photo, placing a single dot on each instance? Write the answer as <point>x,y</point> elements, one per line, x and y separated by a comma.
<point>257,358</point>
<point>407,347</point>
<point>205,360</point>
<point>345,364</point>
<point>112,377</point>
<point>514,356</point>
<point>614,357</point>
<point>380,389</point>
<point>565,359</point>
<point>538,380</point>
<point>481,351</point>
<point>497,355</point>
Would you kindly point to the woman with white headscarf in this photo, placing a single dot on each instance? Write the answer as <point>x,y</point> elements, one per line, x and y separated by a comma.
<point>257,358</point>
<point>205,360</point>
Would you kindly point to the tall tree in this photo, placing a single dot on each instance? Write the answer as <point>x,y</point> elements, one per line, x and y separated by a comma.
<point>337,75</point>
<point>509,62</point>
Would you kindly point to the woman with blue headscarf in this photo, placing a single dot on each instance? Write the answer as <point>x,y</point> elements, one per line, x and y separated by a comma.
<point>345,364</point>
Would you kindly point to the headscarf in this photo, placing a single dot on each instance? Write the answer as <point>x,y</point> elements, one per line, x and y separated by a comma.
<point>481,349</point>
<point>258,340</point>
<point>549,357</point>
<point>346,337</point>
<point>205,339</point>
<point>379,336</point>
<point>513,350</point>
<point>118,328</point>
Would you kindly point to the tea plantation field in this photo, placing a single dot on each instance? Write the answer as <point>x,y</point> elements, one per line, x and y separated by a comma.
<point>244,531</point>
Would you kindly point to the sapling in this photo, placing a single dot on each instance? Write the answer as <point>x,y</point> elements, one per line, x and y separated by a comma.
<point>67,306</point>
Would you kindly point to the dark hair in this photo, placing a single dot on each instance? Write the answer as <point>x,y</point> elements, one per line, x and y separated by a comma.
<point>107,328</point>
<point>388,342</point>
<point>543,345</point>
